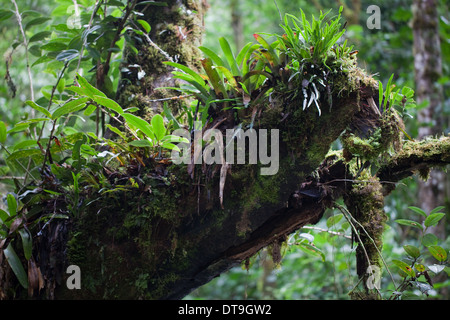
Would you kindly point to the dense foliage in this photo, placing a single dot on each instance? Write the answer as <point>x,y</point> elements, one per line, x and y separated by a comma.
<point>58,122</point>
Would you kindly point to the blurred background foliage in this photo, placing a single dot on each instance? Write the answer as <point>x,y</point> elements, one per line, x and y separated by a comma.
<point>329,272</point>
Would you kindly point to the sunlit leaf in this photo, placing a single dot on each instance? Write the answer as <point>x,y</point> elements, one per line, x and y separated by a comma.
<point>438,252</point>
<point>433,219</point>
<point>409,223</point>
<point>2,132</point>
<point>412,251</point>
<point>108,103</point>
<point>71,106</point>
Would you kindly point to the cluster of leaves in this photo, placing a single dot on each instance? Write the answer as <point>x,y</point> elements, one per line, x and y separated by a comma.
<point>301,58</point>
<point>53,145</point>
<point>416,271</point>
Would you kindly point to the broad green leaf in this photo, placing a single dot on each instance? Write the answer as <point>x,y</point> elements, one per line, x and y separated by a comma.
<point>419,267</point>
<point>229,56</point>
<point>413,251</point>
<point>27,242</point>
<point>16,265</point>
<point>404,267</point>
<point>42,59</point>
<point>214,57</point>
<point>141,143</point>
<point>54,46</point>
<point>433,219</point>
<point>5,14</point>
<point>229,76</point>
<point>409,223</point>
<point>214,77</point>
<point>25,144</point>
<point>40,36</point>
<point>4,216</point>
<point>2,132</point>
<point>90,109</point>
<point>331,221</point>
<point>438,252</point>
<point>170,146</point>
<point>116,131</point>
<point>139,124</point>
<point>71,106</point>
<point>144,25</point>
<point>12,204</point>
<point>37,107</point>
<point>158,126</point>
<point>189,71</point>
<point>36,22</point>
<point>18,127</point>
<point>312,250</point>
<point>173,138</point>
<point>108,103</point>
<point>429,239</point>
<point>90,90</point>
<point>23,154</point>
<point>418,210</point>
<point>437,209</point>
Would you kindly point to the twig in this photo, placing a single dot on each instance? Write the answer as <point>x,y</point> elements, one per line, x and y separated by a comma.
<point>327,231</point>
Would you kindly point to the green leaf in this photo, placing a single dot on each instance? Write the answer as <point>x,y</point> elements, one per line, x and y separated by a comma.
<point>40,36</point>
<point>429,239</point>
<point>36,22</point>
<point>170,146</point>
<point>27,242</point>
<point>4,216</point>
<point>412,251</point>
<point>141,143</point>
<point>437,209</point>
<point>173,138</point>
<point>54,46</point>
<point>438,252</point>
<point>331,221</point>
<point>195,76</point>
<point>229,56</point>
<point>144,25</point>
<point>409,223</point>
<point>37,107</point>
<point>71,106</point>
<point>214,57</point>
<point>24,154</point>
<point>433,219</point>
<point>404,267</point>
<point>2,132</point>
<point>418,210</point>
<point>42,59</point>
<point>90,90</point>
<point>16,265</point>
<point>12,204</point>
<point>108,103</point>
<point>5,14</point>
<point>158,126</point>
<point>139,123</point>
<point>306,247</point>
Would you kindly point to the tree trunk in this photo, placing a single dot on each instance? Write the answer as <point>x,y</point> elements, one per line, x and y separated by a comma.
<point>428,70</point>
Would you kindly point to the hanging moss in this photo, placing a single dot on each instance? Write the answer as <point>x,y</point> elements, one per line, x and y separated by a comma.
<point>366,202</point>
